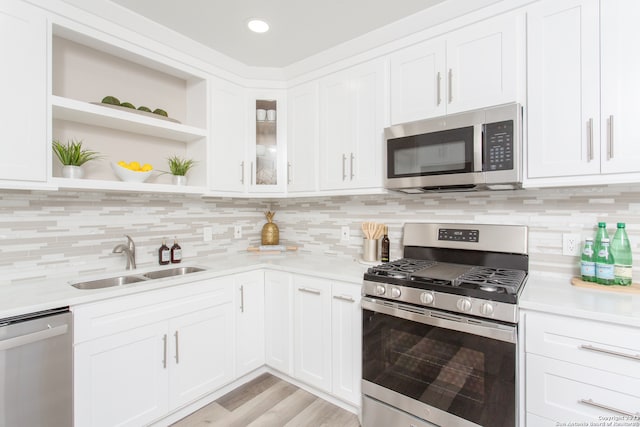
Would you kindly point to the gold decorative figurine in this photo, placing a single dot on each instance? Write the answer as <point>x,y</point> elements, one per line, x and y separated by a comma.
<point>270,232</point>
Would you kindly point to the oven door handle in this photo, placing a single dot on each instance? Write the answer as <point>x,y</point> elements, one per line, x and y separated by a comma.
<point>425,316</point>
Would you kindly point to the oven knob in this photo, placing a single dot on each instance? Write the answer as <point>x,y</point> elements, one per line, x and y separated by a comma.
<point>464,304</point>
<point>426,297</point>
<point>395,293</point>
<point>380,290</point>
<point>486,309</point>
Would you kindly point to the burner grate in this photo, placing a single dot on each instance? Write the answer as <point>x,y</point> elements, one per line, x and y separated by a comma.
<point>493,279</point>
<point>400,268</point>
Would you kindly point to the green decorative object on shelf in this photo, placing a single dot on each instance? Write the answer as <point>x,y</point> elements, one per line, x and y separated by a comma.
<point>128,105</point>
<point>143,108</point>
<point>112,100</point>
<point>72,153</point>
<point>179,166</point>
<point>160,112</point>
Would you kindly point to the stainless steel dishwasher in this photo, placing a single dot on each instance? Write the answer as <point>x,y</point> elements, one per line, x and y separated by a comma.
<point>36,370</point>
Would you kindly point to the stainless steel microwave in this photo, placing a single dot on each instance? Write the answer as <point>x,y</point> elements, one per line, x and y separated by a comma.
<point>475,150</point>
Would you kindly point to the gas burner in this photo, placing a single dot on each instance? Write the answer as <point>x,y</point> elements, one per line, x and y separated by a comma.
<point>400,268</point>
<point>493,279</point>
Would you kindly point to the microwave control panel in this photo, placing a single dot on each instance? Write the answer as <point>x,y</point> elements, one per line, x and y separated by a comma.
<point>498,146</point>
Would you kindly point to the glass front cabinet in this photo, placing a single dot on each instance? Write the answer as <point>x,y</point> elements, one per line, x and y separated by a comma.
<point>267,153</point>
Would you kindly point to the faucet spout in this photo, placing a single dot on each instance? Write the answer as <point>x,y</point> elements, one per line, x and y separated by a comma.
<point>129,250</point>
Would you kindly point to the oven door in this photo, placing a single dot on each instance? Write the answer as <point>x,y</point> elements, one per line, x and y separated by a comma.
<point>444,368</point>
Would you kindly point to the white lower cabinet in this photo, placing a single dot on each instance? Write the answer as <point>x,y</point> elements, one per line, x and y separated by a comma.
<point>137,358</point>
<point>346,336</point>
<point>249,311</point>
<point>579,371</point>
<point>278,292</point>
<point>312,331</point>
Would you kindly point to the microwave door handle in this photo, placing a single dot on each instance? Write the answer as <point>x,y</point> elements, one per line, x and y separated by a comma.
<point>478,144</point>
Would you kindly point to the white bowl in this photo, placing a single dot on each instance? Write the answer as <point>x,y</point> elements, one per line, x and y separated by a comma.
<point>128,175</point>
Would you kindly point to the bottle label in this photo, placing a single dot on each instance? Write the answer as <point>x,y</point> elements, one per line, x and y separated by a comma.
<point>177,254</point>
<point>165,255</point>
<point>604,271</point>
<point>588,251</point>
<point>588,268</point>
<point>622,271</point>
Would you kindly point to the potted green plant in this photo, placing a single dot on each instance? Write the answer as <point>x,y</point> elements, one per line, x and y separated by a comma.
<point>179,167</point>
<point>73,156</point>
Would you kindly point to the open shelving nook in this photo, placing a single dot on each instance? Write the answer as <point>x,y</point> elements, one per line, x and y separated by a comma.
<point>86,69</point>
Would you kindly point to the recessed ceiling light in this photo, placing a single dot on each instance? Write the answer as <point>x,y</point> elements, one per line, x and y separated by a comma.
<point>258,26</point>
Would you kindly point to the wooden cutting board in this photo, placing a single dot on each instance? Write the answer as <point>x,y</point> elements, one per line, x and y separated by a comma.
<point>634,288</point>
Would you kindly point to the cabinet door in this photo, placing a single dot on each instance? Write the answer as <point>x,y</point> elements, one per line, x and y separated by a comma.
<point>351,127</point>
<point>620,133</point>
<point>312,339</point>
<point>200,353</point>
<point>278,289</point>
<point>482,63</point>
<point>229,170</point>
<point>418,81</point>
<point>302,139</point>
<point>563,84</point>
<point>121,380</point>
<point>23,114</point>
<point>346,339</point>
<point>249,312</point>
<point>336,137</point>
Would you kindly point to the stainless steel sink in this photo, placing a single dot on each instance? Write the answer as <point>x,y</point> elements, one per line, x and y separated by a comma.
<point>135,278</point>
<point>178,271</point>
<point>109,282</point>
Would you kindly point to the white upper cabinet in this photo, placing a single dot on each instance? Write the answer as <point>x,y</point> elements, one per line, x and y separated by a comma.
<point>474,67</point>
<point>351,127</point>
<point>583,90</point>
<point>620,86</point>
<point>302,138</point>
<point>23,112</point>
<point>228,137</point>
<point>563,78</point>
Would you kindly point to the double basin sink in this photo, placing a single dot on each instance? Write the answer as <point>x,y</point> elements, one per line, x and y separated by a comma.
<point>135,278</point>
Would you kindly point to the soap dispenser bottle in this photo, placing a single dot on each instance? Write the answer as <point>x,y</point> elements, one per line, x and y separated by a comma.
<point>176,252</point>
<point>164,254</point>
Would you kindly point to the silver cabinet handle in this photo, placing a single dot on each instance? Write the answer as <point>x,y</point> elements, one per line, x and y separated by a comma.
<point>344,298</point>
<point>164,357</point>
<point>288,172</point>
<point>590,402</point>
<point>611,352</point>
<point>251,179</point>
<point>438,83</point>
<point>177,347</point>
<point>450,85</point>
<point>610,142</point>
<point>242,172</point>
<point>241,298</point>
<point>351,166</point>
<point>590,139</point>
<point>310,291</point>
<point>344,166</point>
<point>33,337</point>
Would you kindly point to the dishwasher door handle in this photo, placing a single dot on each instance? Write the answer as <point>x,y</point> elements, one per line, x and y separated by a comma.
<point>33,337</point>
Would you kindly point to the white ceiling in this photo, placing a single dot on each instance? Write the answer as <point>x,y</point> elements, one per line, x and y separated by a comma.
<point>299,28</point>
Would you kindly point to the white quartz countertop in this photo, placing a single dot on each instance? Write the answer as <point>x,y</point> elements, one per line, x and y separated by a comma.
<point>557,296</point>
<point>29,297</point>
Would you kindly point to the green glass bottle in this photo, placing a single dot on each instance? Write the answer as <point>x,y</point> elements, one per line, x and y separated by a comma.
<point>600,234</point>
<point>621,251</point>
<point>604,264</point>
<point>587,262</point>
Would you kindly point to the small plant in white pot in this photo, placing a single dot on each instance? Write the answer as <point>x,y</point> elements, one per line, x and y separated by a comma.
<point>73,156</point>
<point>179,168</point>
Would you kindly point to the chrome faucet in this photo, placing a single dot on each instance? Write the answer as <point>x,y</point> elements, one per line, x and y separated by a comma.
<point>129,250</point>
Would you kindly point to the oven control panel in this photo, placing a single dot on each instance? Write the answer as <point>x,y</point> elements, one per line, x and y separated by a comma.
<point>457,235</point>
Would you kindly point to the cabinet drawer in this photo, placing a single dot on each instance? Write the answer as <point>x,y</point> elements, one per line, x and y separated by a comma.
<point>124,313</point>
<point>613,348</point>
<point>560,391</point>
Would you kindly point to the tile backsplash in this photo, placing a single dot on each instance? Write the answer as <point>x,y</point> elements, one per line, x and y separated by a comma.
<point>50,234</point>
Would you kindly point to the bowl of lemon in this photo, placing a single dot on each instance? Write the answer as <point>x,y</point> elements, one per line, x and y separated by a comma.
<point>132,171</point>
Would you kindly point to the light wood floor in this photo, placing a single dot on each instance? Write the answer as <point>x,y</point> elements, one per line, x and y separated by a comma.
<point>268,401</point>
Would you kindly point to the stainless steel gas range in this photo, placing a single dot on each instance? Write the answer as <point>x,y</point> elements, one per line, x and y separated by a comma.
<point>440,328</point>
